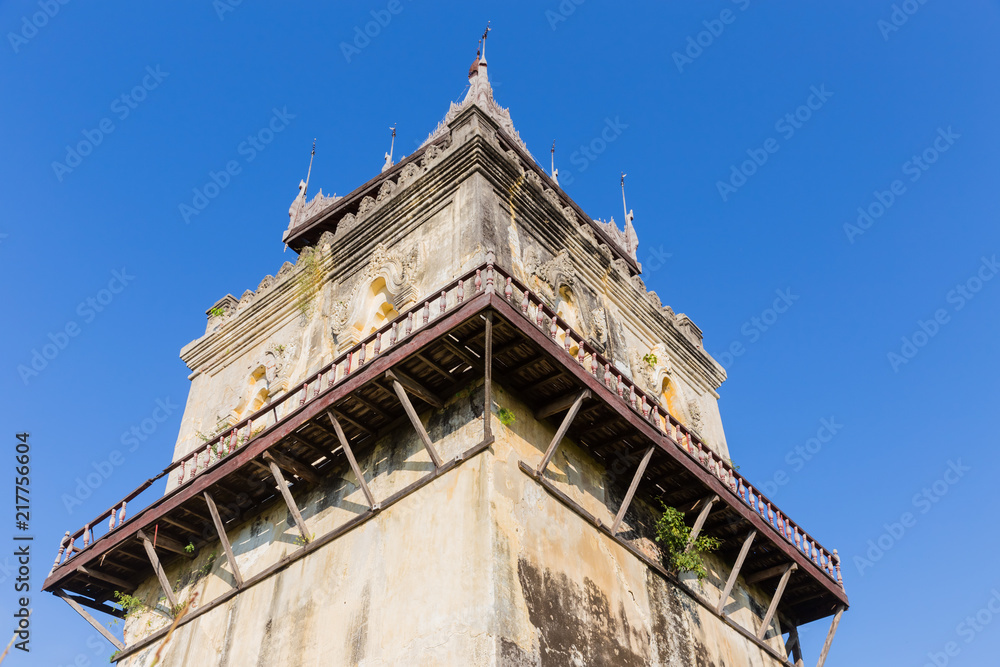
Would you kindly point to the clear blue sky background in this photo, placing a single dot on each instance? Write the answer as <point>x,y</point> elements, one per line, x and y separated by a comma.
<point>825,358</point>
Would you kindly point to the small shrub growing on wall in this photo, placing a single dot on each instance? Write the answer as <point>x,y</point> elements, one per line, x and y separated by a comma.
<point>674,534</point>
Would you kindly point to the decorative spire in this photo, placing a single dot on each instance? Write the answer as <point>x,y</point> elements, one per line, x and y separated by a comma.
<point>555,172</point>
<point>388,156</point>
<point>486,33</point>
<point>631,238</point>
<point>309,172</point>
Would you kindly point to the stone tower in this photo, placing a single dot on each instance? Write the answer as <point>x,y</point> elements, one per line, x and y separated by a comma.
<point>444,436</point>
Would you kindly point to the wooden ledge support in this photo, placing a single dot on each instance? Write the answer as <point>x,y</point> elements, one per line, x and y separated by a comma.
<point>464,355</point>
<point>631,489</point>
<point>90,619</point>
<point>221,530</point>
<point>414,418</point>
<point>776,600</point>
<point>349,453</point>
<point>555,407</point>
<point>829,635</point>
<point>160,574</point>
<point>561,432</point>
<point>794,646</point>
<point>488,378</point>
<point>293,466</point>
<point>289,501</point>
<point>121,584</point>
<point>699,523</point>
<point>744,550</point>
<point>353,422</point>
<point>769,573</point>
<point>414,387</point>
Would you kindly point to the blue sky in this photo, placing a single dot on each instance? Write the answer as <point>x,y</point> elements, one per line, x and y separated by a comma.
<point>695,90</point>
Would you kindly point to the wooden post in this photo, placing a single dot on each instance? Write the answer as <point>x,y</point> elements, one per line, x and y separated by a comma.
<point>221,530</point>
<point>829,635</point>
<point>561,432</point>
<point>744,550</point>
<point>351,460</point>
<point>160,574</point>
<point>90,619</point>
<point>775,600</point>
<point>289,501</point>
<point>414,418</point>
<point>631,489</point>
<point>794,646</point>
<point>488,381</point>
<point>121,584</point>
<point>700,521</point>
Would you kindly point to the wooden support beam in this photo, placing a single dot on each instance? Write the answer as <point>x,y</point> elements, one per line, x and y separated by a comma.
<point>289,501</point>
<point>433,366</point>
<point>829,635</point>
<point>561,432</point>
<point>744,550</point>
<point>776,600</point>
<point>157,568</point>
<point>379,412</point>
<point>415,420</point>
<point>292,466</point>
<point>488,378</point>
<point>173,546</point>
<point>90,619</point>
<point>123,586</point>
<point>699,523</point>
<point>317,451</point>
<point>344,417</point>
<point>221,530</point>
<point>794,646</point>
<point>186,527</point>
<point>769,573</point>
<point>631,489</point>
<point>460,353</point>
<point>349,453</point>
<point>414,387</point>
<point>544,382</point>
<point>561,404</point>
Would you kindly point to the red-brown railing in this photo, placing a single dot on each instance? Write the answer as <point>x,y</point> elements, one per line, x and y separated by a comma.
<point>487,277</point>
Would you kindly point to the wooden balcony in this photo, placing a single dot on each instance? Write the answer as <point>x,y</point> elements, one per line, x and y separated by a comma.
<point>483,326</point>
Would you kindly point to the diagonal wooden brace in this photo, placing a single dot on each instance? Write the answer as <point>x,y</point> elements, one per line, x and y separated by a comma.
<point>829,635</point>
<point>414,418</point>
<point>120,584</point>
<point>699,523</point>
<point>414,387</point>
<point>290,465</point>
<point>289,501</point>
<point>776,600</point>
<point>744,550</point>
<point>345,445</point>
<point>561,432</point>
<point>794,646</point>
<point>90,619</point>
<point>221,530</point>
<point>160,574</point>
<point>631,489</point>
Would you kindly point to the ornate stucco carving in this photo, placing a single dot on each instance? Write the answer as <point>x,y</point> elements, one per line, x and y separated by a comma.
<point>599,319</point>
<point>398,268</point>
<point>366,206</point>
<point>558,271</point>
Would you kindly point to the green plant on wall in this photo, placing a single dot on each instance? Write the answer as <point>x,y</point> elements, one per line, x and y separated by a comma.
<point>216,312</point>
<point>505,416</point>
<point>675,535</point>
<point>649,358</point>
<point>129,603</point>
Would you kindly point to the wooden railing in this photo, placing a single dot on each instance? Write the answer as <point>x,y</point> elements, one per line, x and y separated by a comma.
<point>265,419</point>
<point>490,278</point>
<point>542,316</point>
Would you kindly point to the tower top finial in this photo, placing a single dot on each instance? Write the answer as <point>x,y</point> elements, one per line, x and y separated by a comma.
<point>392,146</point>
<point>482,41</point>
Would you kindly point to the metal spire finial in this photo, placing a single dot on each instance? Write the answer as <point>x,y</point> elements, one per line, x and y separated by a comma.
<point>309,173</point>
<point>392,146</point>
<point>486,33</point>
<point>555,172</point>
